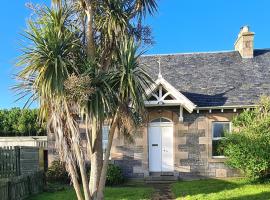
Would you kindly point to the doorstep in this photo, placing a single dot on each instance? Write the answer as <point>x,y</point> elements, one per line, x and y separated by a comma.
<point>160,178</point>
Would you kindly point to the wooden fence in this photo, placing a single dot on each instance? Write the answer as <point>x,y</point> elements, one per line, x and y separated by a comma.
<point>15,161</point>
<point>21,187</point>
<point>9,161</point>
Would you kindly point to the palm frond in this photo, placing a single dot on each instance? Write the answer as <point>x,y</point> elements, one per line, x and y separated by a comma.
<point>146,6</point>
<point>54,53</point>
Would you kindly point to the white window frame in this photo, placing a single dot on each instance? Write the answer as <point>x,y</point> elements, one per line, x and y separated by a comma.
<point>219,138</point>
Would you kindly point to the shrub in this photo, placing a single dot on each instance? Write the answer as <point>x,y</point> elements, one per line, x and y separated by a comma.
<point>248,147</point>
<point>57,173</point>
<point>114,175</point>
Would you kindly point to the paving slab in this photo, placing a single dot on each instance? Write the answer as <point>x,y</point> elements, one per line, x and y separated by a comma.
<point>162,192</point>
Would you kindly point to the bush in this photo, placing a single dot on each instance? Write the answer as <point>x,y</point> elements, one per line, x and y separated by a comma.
<point>114,175</point>
<point>57,173</point>
<point>248,147</point>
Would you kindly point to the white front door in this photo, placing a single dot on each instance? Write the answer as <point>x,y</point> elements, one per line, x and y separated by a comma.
<point>167,148</point>
<point>155,149</point>
<point>160,141</point>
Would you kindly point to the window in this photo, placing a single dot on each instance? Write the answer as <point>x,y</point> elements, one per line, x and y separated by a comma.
<point>83,136</point>
<point>105,134</point>
<point>161,119</point>
<point>218,133</point>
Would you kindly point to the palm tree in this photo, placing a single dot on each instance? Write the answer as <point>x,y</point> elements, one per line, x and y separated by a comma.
<point>53,56</point>
<point>106,25</point>
<point>87,69</point>
<point>129,84</point>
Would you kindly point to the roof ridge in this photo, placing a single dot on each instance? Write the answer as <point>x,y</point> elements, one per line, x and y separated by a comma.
<point>202,52</point>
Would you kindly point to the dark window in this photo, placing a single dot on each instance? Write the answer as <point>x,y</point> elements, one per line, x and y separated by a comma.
<point>83,136</point>
<point>152,98</point>
<point>169,97</point>
<point>164,91</point>
<point>219,129</point>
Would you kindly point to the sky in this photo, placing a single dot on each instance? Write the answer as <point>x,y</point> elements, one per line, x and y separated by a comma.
<point>179,26</point>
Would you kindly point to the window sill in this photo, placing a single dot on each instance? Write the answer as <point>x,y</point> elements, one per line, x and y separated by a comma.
<point>217,159</point>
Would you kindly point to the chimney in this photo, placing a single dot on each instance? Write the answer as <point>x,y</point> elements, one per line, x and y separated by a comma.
<point>244,43</point>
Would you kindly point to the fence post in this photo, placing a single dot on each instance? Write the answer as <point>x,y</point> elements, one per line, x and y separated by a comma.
<point>18,161</point>
<point>1,163</point>
<point>29,185</point>
<point>9,190</point>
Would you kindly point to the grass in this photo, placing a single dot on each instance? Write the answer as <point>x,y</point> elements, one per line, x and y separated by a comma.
<point>216,189</point>
<point>125,192</point>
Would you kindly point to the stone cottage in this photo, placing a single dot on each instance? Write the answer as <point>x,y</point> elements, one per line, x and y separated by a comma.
<point>196,96</point>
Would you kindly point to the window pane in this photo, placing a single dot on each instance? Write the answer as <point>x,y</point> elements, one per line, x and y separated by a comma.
<point>104,145</point>
<point>105,132</point>
<point>164,120</point>
<point>161,120</point>
<point>219,129</point>
<point>216,149</point>
<point>156,120</point>
<point>83,136</point>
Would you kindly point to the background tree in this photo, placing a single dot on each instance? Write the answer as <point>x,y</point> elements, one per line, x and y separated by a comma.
<point>248,147</point>
<point>20,122</point>
<point>83,63</point>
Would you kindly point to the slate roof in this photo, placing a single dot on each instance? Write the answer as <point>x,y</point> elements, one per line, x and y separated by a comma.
<point>215,78</point>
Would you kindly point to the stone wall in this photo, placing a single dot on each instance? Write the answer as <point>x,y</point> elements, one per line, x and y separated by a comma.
<point>192,145</point>
<point>192,157</point>
<point>131,156</point>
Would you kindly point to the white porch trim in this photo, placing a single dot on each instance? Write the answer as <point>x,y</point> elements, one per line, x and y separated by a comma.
<point>178,98</point>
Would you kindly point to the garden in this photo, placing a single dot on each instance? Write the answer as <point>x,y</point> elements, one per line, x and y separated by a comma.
<point>58,187</point>
<point>208,189</point>
<point>133,191</point>
<point>221,189</point>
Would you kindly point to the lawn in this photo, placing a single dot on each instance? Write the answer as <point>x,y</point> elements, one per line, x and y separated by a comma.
<point>127,192</point>
<point>216,189</point>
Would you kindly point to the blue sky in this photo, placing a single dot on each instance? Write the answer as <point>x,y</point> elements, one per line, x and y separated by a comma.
<point>179,26</point>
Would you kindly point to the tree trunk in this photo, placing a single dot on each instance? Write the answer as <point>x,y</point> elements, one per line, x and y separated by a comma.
<point>102,181</point>
<point>75,140</point>
<point>75,182</point>
<point>96,158</point>
<point>83,172</point>
<point>90,31</point>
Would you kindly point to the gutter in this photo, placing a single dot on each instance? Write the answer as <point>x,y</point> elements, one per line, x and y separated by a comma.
<point>225,107</point>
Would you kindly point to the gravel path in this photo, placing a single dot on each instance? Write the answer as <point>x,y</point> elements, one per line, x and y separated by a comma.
<point>162,192</point>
